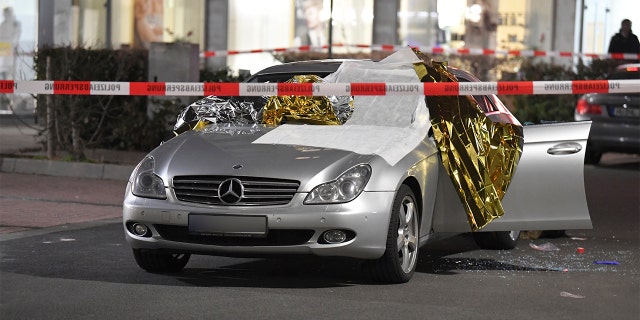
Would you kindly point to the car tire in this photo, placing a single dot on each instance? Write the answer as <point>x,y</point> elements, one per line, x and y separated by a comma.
<point>400,258</point>
<point>497,240</point>
<point>157,262</point>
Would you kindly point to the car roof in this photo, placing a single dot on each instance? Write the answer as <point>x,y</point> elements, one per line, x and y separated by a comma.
<point>283,71</point>
<point>322,68</point>
<point>310,65</point>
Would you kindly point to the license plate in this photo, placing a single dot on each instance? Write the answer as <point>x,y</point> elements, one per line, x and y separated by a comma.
<point>626,112</point>
<point>228,225</point>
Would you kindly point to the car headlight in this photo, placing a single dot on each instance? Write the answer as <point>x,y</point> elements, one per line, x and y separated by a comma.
<point>146,183</point>
<point>344,189</point>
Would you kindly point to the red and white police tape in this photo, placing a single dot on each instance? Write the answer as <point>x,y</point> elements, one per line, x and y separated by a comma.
<point>317,89</point>
<point>431,50</point>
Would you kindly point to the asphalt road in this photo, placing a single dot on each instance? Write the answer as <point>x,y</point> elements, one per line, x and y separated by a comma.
<point>53,270</point>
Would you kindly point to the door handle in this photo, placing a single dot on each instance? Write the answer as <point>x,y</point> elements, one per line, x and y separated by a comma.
<point>565,148</point>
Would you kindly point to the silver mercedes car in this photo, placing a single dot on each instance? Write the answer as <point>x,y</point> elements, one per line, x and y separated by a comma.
<point>375,186</point>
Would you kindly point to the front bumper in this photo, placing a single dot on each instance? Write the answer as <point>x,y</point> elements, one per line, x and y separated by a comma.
<point>291,229</point>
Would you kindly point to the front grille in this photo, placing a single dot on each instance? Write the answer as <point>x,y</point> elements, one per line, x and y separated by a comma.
<point>275,237</point>
<point>257,191</point>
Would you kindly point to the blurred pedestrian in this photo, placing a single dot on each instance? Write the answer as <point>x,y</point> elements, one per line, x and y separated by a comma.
<point>624,41</point>
<point>9,36</point>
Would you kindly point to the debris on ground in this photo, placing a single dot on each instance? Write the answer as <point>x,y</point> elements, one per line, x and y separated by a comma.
<point>570,295</point>
<point>544,247</point>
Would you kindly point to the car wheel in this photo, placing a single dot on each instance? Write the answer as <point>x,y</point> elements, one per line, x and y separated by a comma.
<point>497,240</point>
<point>157,262</point>
<point>398,263</point>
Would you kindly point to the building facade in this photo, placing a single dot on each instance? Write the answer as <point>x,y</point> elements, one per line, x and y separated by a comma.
<point>546,25</point>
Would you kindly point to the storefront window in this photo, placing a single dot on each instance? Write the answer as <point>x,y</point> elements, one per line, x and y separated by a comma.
<point>136,23</point>
<point>17,38</point>
<point>258,24</point>
<point>418,22</point>
<point>498,24</point>
<point>184,21</point>
<point>89,23</point>
<point>451,22</point>
<point>121,23</point>
<point>18,24</point>
<point>148,22</point>
<point>294,23</point>
<point>352,21</point>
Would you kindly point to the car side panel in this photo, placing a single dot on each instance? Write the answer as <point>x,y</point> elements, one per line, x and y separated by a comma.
<point>546,192</point>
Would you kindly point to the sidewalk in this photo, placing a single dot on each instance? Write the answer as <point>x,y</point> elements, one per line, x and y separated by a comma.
<point>39,204</point>
<point>21,151</point>
<point>40,196</point>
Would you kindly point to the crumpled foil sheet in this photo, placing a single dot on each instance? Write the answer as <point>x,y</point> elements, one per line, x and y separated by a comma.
<point>219,111</point>
<point>309,109</point>
<point>223,114</point>
<point>232,129</point>
<point>480,155</point>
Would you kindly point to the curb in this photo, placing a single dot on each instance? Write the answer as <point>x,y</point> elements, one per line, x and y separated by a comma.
<point>66,169</point>
<point>58,228</point>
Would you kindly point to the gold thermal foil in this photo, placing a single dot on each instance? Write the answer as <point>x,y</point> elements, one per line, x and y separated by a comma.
<point>480,155</point>
<point>309,109</point>
<point>245,113</point>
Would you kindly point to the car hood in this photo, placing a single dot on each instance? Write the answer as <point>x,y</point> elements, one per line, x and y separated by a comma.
<point>231,152</point>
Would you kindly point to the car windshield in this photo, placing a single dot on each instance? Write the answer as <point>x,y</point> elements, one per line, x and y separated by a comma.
<point>250,110</point>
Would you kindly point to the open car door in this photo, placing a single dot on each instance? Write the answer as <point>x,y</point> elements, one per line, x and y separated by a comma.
<point>546,192</point>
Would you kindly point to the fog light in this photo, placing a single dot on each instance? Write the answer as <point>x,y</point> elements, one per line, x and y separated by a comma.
<point>140,229</point>
<point>334,236</point>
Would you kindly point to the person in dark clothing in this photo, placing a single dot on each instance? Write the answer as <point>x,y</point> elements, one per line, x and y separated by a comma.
<point>624,41</point>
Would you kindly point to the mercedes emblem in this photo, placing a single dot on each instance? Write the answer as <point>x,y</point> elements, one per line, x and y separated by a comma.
<point>230,191</point>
